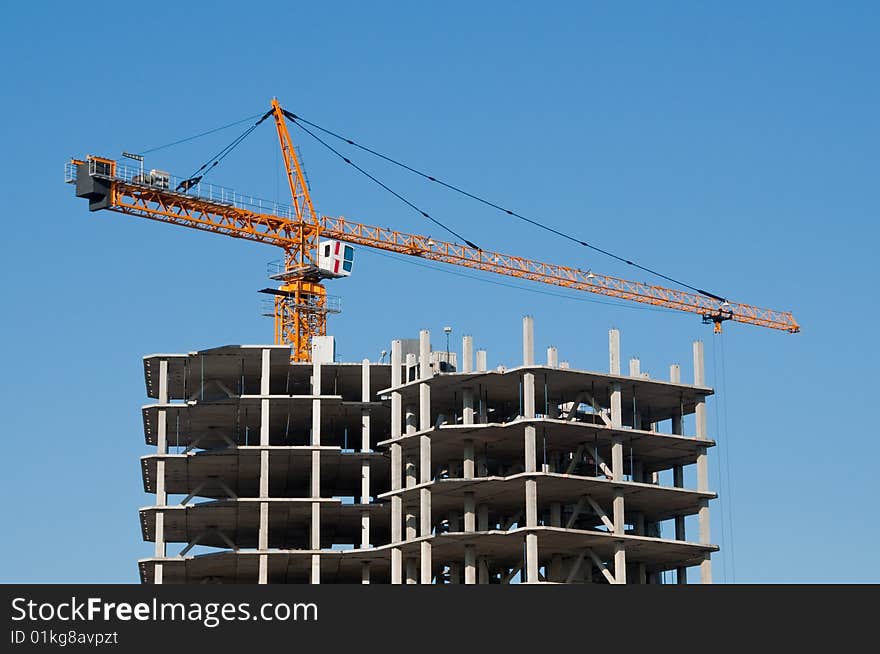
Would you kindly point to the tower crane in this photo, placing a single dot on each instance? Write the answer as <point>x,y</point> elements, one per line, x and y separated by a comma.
<point>318,247</point>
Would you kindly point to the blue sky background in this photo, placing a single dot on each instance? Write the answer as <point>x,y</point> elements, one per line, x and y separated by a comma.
<point>733,145</point>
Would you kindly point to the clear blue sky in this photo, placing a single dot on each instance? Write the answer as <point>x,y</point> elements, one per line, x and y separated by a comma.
<point>732,144</point>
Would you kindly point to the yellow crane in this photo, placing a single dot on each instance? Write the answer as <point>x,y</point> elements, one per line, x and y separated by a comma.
<point>311,243</point>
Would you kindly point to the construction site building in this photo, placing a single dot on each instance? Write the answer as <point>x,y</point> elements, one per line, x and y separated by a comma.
<point>430,468</point>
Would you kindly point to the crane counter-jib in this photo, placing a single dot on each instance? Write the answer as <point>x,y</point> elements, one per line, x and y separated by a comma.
<point>218,209</point>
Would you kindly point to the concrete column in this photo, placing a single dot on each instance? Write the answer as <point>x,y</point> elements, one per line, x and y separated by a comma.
<point>396,463</point>
<point>467,354</point>
<point>163,381</point>
<point>482,364</point>
<point>160,535</point>
<point>702,463</point>
<point>263,544</point>
<point>470,515</point>
<point>365,462</point>
<point>617,457</point>
<point>468,470</point>
<point>468,467</point>
<point>263,533</point>
<point>528,343</point>
<point>315,541</point>
<point>425,470</point>
<point>424,375</point>
<point>161,450</point>
<point>530,448</point>
<point>531,538</point>
<point>411,474</point>
<point>470,564</point>
<point>412,575</point>
<point>552,357</point>
<point>635,367</point>
<point>468,406</point>
<point>614,351</point>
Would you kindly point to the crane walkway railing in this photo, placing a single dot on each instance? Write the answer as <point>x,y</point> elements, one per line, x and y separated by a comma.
<point>169,183</point>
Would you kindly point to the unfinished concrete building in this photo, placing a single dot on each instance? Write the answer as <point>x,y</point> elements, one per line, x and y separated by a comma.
<point>422,470</point>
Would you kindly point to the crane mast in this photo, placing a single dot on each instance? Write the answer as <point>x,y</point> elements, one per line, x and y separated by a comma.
<point>301,303</point>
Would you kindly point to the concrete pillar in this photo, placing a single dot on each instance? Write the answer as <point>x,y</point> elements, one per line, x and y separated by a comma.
<point>161,450</point>
<point>396,463</point>
<point>467,406</point>
<point>425,469</point>
<point>470,515</point>
<point>468,467</point>
<point>467,354</point>
<point>412,576</point>
<point>635,367</point>
<point>482,365</point>
<point>552,357</point>
<point>469,512</point>
<point>424,375</point>
<point>617,457</point>
<point>470,564</point>
<point>530,448</point>
<point>316,474</point>
<point>528,343</point>
<point>702,463</point>
<point>365,462</point>
<point>410,469</point>
<point>614,351</point>
<point>263,533</point>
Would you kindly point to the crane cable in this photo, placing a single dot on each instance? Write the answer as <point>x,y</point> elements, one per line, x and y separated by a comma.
<point>209,165</point>
<point>299,120</point>
<point>380,183</point>
<point>200,135</point>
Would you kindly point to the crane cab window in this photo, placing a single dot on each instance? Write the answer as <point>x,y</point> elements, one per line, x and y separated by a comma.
<point>347,258</point>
